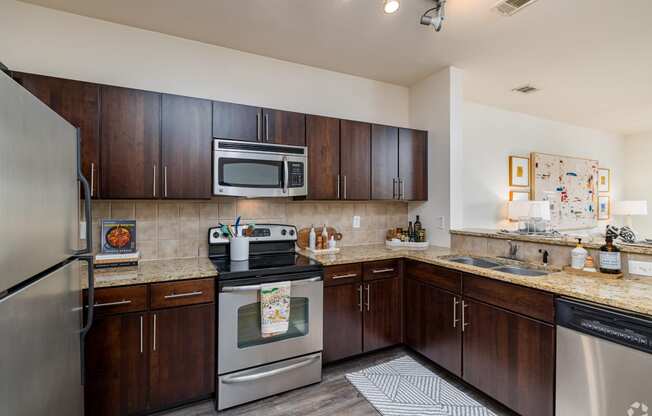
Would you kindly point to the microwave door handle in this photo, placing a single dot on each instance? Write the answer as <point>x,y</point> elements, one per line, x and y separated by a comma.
<point>286,175</point>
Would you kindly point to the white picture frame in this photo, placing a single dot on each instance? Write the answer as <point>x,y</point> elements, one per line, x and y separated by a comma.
<point>519,171</point>
<point>604,207</point>
<point>604,180</point>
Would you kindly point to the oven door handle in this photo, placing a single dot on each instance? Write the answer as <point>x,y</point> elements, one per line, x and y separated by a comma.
<point>229,289</point>
<point>270,373</point>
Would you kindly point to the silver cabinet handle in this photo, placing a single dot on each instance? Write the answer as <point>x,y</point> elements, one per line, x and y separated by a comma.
<point>345,187</point>
<point>377,271</point>
<point>154,340</point>
<point>455,320</point>
<point>464,323</point>
<point>401,189</point>
<point>271,373</point>
<point>393,188</point>
<point>338,186</point>
<point>344,276</point>
<point>141,334</point>
<point>258,127</point>
<point>154,186</point>
<point>229,289</point>
<point>118,303</point>
<point>360,299</point>
<point>165,181</point>
<point>368,298</point>
<point>92,177</point>
<point>286,175</point>
<point>183,295</point>
<point>266,127</point>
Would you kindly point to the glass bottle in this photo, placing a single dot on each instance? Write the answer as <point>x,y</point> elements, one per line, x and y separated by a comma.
<point>417,226</point>
<point>610,261</point>
<point>410,232</point>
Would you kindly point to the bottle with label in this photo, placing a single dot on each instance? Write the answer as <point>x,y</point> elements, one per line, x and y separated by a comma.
<point>410,232</point>
<point>324,238</point>
<point>610,261</point>
<point>578,256</point>
<point>417,226</point>
<point>312,238</point>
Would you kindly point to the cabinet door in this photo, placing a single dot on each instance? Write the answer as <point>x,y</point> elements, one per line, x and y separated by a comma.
<point>182,356</point>
<point>414,318</point>
<point>441,330</point>
<point>284,127</point>
<point>413,164</point>
<point>236,122</point>
<point>355,160</point>
<point>342,321</point>
<point>384,162</point>
<point>78,103</point>
<point>186,147</point>
<point>382,314</point>
<point>323,140</point>
<point>116,366</point>
<point>131,127</point>
<point>511,358</point>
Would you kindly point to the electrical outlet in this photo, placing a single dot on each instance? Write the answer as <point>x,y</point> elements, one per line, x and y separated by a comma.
<point>641,268</point>
<point>441,221</point>
<point>82,230</point>
<point>356,221</point>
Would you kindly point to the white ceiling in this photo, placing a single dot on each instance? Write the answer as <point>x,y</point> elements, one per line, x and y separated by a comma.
<point>592,59</point>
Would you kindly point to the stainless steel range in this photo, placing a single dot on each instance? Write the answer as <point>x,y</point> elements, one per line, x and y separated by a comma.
<point>250,366</point>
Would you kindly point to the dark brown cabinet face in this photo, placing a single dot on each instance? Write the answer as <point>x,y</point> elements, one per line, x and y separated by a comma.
<point>130,131</point>
<point>186,148</point>
<point>284,127</point>
<point>382,313</point>
<point>78,103</point>
<point>412,165</point>
<point>323,140</point>
<point>116,366</point>
<point>511,358</point>
<point>342,321</point>
<point>236,121</point>
<point>384,162</point>
<point>355,160</point>
<point>182,355</point>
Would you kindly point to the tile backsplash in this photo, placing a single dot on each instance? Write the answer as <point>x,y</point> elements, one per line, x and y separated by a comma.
<point>179,229</point>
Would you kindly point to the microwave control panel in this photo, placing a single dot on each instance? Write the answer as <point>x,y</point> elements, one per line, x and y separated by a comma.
<point>296,174</point>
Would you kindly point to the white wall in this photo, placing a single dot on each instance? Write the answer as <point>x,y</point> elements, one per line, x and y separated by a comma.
<point>49,42</point>
<point>638,177</point>
<point>435,107</point>
<point>491,135</point>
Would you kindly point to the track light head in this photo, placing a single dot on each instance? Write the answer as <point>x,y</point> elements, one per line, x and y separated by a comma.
<point>435,16</point>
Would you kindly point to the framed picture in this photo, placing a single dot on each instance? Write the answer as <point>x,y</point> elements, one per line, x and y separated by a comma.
<point>604,207</point>
<point>604,180</point>
<point>519,171</point>
<point>519,196</point>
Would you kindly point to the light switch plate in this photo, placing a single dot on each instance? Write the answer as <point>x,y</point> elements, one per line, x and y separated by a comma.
<point>82,230</point>
<point>356,221</point>
<point>441,223</point>
<point>641,268</point>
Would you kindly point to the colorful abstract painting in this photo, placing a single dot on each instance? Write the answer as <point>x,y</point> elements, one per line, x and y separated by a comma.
<point>570,184</point>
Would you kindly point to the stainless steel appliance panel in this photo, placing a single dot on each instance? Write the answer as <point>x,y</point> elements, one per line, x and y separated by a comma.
<point>39,196</point>
<point>232,355</point>
<point>267,380</point>
<point>40,370</point>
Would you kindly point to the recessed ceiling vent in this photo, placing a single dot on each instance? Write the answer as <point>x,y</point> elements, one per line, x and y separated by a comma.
<point>509,7</point>
<point>526,89</point>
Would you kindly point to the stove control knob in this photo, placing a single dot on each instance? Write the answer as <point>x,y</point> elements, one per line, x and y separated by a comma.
<point>216,234</point>
<point>283,232</point>
<point>291,232</point>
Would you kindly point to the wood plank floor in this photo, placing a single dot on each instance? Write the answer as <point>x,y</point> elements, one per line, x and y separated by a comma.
<point>333,396</point>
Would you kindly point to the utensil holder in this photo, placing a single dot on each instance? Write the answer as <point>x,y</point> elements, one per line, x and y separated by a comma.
<point>239,248</point>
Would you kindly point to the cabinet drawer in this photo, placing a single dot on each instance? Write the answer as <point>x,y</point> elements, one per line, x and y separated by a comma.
<point>189,292</point>
<point>523,300</point>
<point>342,273</point>
<point>112,300</point>
<point>443,278</point>
<point>381,269</point>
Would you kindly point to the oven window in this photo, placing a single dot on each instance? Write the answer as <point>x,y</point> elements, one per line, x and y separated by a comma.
<point>250,173</point>
<point>249,323</point>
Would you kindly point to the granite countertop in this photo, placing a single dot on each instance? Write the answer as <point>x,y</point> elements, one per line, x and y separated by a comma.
<point>565,239</point>
<point>629,293</point>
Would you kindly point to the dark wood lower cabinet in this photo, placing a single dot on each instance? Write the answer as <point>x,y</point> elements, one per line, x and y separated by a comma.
<point>117,366</point>
<point>511,358</point>
<point>342,321</point>
<point>382,313</point>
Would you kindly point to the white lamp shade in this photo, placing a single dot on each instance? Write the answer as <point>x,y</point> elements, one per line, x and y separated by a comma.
<point>518,209</point>
<point>540,209</point>
<point>630,208</point>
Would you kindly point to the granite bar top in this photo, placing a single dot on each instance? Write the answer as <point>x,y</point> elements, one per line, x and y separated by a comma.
<point>565,239</point>
<point>629,293</point>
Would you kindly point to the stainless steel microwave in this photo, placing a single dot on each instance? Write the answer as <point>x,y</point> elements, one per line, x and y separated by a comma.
<point>253,169</point>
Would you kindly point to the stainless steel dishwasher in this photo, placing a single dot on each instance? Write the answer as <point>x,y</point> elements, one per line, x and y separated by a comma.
<point>604,361</point>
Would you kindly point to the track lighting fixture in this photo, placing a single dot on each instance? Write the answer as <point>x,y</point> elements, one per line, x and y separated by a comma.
<point>435,16</point>
<point>391,6</point>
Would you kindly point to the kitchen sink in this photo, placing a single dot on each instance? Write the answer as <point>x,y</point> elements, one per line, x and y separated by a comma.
<point>521,271</point>
<point>474,261</point>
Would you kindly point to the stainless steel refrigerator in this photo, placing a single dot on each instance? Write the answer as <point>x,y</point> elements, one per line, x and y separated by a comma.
<point>42,321</point>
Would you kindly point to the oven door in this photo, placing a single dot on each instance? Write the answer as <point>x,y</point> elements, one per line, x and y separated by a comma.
<point>240,344</point>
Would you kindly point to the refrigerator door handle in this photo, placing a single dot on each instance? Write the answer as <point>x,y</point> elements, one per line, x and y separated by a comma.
<point>89,316</point>
<point>87,201</point>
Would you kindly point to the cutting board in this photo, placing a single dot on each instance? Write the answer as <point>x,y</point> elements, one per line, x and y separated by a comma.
<point>303,239</point>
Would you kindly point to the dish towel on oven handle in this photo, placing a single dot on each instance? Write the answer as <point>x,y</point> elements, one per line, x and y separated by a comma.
<point>274,308</point>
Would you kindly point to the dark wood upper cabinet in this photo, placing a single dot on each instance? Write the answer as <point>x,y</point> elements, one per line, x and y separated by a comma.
<point>186,148</point>
<point>511,358</point>
<point>355,160</point>
<point>182,360</point>
<point>382,313</point>
<point>78,103</point>
<point>236,121</point>
<point>284,127</point>
<point>384,162</point>
<point>413,164</point>
<point>323,140</point>
<point>342,321</point>
<point>116,366</point>
<point>130,136</point>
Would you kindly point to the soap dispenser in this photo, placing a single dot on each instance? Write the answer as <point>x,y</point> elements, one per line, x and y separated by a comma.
<point>578,256</point>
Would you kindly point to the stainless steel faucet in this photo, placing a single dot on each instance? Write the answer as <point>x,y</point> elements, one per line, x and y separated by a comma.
<point>513,250</point>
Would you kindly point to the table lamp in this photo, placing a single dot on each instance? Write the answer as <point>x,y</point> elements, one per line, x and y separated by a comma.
<point>629,209</point>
